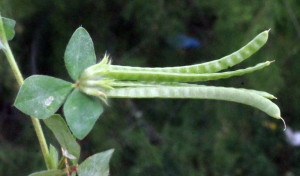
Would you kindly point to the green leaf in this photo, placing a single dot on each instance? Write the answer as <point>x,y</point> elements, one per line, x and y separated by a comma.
<point>54,157</point>
<point>63,135</point>
<point>81,112</point>
<point>79,53</point>
<point>9,28</point>
<point>97,164</point>
<point>41,96</point>
<point>55,172</point>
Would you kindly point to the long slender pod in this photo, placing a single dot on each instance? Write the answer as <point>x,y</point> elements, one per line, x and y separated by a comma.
<point>118,84</point>
<point>175,77</point>
<point>261,93</point>
<point>94,84</point>
<point>202,92</point>
<point>208,67</point>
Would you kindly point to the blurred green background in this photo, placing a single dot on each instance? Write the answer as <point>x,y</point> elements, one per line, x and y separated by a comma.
<point>154,136</point>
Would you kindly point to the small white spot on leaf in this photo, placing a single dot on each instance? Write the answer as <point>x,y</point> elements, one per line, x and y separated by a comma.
<point>68,155</point>
<point>49,101</point>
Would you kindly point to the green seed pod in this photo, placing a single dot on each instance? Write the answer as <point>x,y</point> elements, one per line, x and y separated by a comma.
<point>207,67</point>
<point>174,77</point>
<point>122,84</point>
<point>201,92</point>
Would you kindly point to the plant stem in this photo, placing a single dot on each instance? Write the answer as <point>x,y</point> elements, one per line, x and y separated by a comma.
<point>36,123</point>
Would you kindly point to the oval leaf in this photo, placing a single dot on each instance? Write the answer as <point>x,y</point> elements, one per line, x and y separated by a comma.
<point>9,28</point>
<point>81,112</point>
<point>97,164</point>
<point>63,135</point>
<point>41,96</point>
<point>79,53</point>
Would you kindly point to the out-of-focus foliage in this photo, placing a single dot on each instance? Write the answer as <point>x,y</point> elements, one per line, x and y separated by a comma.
<point>163,137</point>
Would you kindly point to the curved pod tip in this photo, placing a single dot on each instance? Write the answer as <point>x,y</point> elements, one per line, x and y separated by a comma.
<point>283,123</point>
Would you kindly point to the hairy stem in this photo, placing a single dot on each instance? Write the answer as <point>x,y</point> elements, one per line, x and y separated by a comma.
<point>36,123</point>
